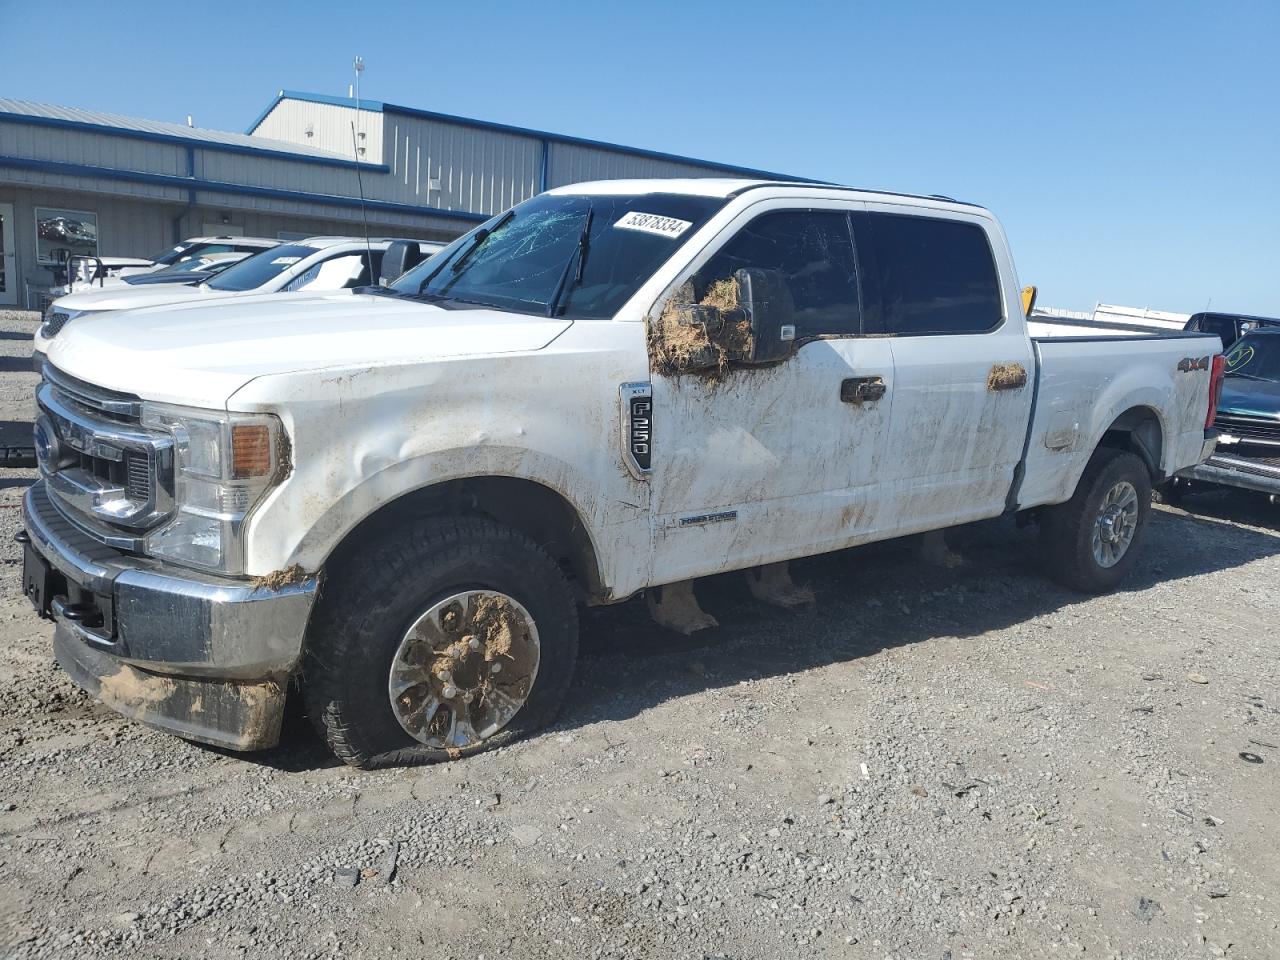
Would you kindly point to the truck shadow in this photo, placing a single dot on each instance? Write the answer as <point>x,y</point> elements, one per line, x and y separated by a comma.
<point>868,599</point>
<point>1236,506</point>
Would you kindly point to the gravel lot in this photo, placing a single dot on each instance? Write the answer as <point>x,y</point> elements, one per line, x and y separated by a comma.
<point>928,763</point>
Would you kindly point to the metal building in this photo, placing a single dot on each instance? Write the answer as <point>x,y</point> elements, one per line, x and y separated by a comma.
<point>78,181</point>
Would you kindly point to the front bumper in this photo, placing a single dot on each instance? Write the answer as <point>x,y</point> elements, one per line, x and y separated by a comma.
<point>1233,471</point>
<point>203,657</point>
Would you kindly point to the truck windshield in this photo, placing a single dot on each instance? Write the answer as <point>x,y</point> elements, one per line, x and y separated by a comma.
<point>1255,358</point>
<point>253,272</point>
<point>172,255</point>
<point>580,256</point>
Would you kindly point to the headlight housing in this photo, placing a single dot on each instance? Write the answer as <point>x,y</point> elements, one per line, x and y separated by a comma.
<point>223,465</point>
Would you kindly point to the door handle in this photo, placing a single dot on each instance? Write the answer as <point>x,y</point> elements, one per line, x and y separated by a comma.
<point>862,390</point>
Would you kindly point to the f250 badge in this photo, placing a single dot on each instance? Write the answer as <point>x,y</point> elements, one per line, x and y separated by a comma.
<point>636,401</point>
<point>1188,364</point>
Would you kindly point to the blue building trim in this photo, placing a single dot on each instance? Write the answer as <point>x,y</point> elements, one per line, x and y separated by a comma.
<point>195,142</point>
<point>542,135</point>
<point>192,184</point>
<point>544,167</point>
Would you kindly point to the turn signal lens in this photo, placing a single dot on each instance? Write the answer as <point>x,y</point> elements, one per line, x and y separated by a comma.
<point>250,451</point>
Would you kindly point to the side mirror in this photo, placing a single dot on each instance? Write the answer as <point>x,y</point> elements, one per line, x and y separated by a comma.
<point>766,299</point>
<point>401,256</point>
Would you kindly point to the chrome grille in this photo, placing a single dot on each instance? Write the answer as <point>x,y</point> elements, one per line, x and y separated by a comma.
<point>137,479</point>
<point>103,471</point>
<point>1256,429</point>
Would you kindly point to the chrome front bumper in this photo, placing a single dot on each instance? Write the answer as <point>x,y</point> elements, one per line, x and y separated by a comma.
<point>204,657</point>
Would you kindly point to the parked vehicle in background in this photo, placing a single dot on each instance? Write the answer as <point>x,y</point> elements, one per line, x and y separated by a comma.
<point>317,264</point>
<point>1248,416</point>
<point>195,270</point>
<point>83,270</point>
<point>1229,327</point>
<point>200,246</point>
<point>611,388</point>
<point>80,270</point>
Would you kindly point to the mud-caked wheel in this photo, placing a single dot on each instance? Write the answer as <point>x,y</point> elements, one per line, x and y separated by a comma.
<point>1091,542</point>
<point>455,637</point>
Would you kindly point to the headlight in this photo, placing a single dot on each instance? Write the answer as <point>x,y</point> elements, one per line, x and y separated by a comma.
<point>223,465</point>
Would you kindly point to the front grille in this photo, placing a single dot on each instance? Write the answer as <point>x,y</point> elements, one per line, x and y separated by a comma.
<point>1258,429</point>
<point>103,470</point>
<point>56,321</point>
<point>137,479</point>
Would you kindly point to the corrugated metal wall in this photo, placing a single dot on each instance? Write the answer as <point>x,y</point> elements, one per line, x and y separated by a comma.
<point>329,126</point>
<point>576,163</point>
<point>93,149</point>
<point>456,167</point>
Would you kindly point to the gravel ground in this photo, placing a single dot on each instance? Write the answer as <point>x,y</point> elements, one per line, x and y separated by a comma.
<point>928,763</point>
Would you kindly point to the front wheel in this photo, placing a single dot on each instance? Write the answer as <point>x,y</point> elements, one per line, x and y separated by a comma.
<point>1091,542</point>
<point>445,640</point>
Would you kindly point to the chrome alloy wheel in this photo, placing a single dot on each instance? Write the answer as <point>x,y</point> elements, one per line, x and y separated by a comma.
<point>1116,524</point>
<point>464,669</point>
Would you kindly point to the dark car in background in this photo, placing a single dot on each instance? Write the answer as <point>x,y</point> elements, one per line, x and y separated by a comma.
<point>1229,326</point>
<point>1248,418</point>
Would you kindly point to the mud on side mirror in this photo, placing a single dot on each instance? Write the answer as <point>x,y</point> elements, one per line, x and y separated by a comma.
<point>766,299</point>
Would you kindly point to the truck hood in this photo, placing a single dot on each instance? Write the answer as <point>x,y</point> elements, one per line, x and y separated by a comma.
<point>201,353</point>
<point>1250,398</point>
<point>127,297</point>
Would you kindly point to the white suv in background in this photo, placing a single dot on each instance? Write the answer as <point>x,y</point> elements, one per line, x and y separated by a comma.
<point>317,264</point>
<point>108,271</point>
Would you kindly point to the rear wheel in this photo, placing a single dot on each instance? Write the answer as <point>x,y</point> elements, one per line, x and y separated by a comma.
<point>1091,542</point>
<point>443,641</point>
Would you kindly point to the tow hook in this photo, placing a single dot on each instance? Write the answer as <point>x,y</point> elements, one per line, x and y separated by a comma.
<point>85,614</point>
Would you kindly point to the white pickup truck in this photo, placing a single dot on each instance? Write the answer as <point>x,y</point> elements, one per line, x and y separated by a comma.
<point>393,502</point>
<point>317,264</point>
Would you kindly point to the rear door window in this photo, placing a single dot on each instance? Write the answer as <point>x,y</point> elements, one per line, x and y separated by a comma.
<point>935,276</point>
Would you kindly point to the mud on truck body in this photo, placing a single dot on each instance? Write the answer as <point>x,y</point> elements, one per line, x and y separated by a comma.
<point>393,502</point>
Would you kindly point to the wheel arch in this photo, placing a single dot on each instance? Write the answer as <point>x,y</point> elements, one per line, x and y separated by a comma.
<point>543,514</point>
<point>1140,430</point>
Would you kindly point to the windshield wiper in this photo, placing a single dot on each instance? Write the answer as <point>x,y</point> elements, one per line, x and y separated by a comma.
<point>580,256</point>
<point>462,256</point>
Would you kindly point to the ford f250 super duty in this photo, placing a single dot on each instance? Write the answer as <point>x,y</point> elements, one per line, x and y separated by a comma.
<point>392,502</point>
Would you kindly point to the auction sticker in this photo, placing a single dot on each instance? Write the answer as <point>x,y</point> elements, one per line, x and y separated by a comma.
<point>652,223</point>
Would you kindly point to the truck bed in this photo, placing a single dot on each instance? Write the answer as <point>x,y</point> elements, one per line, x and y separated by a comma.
<point>1090,374</point>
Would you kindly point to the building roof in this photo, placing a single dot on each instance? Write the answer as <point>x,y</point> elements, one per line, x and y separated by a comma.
<point>377,106</point>
<point>49,114</point>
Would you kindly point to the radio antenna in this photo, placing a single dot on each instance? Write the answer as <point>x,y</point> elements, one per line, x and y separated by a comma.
<point>358,65</point>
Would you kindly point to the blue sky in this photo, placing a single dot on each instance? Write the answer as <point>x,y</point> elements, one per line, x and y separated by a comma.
<point>1131,149</point>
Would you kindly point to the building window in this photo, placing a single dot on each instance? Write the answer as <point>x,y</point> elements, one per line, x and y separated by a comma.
<point>63,234</point>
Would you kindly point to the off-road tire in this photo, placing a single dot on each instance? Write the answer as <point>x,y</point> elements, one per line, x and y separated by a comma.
<point>367,603</point>
<point>1066,529</point>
